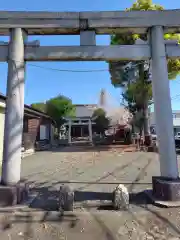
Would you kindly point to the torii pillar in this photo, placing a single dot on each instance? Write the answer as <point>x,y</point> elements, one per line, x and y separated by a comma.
<point>11,165</point>
<point>163,186</point>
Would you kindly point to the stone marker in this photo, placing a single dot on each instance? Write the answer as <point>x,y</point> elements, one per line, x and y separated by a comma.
<point>120,197</point>
<point>5,223</point>
<point>66,198</point>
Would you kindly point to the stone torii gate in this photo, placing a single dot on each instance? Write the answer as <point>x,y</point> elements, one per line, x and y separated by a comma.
<point>87,24</point>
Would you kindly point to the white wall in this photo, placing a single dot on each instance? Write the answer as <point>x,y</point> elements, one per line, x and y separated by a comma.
<point>176,122</point>
<point>176,119</point>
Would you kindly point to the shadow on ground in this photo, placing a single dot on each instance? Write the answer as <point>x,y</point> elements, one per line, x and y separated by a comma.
<point>47,199</point>
<point>72,219</point>
<point>47,203</point>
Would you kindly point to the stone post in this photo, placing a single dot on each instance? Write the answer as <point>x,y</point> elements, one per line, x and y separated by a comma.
<point>11,166</point>
<point>52,135</point>
<point>90,131</point>
<point>81,131</point>
<point>162,105</point>
<point>69,132</point>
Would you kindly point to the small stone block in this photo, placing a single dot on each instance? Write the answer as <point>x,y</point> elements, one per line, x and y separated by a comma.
<point>154,200</point>
<point>22,192</point>
<point>66,198</point>
<point>166,189</point>
<point>8,196</point>
<point>120,197</point>
<point>13,195</point>
<point>5,223</point>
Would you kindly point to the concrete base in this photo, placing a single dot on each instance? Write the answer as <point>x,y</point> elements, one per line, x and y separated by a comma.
<point>14,194</point>
<point>165,192</point>
<point>168,204</point>
<point>166,189</point>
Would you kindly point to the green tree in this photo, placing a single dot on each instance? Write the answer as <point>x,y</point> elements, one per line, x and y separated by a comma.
<point>124,73</point>
<point>134,98</point>
<point>60,107</point>
<point>57,108</point>
<point>39,106</point>
<point>101,120</point>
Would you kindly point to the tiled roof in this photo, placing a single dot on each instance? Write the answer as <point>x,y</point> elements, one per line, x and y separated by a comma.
<point>85,110</point>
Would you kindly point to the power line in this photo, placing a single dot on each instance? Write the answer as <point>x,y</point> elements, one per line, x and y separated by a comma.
<point>80,70</point>
<point>175,98</point>
<point>89,71</point>
<point>74,71</point>
<point>69,70</point>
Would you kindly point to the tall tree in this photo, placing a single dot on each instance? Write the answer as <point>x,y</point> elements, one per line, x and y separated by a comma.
<point>101,120</point>
<point>125,73</point>
<point>60,107</point>
<point>39,106</point>
<point>57,107</point>
<point>134,102</point>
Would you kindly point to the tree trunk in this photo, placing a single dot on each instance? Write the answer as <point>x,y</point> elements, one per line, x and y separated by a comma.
<point>146,127</point>
<point>146,120</point>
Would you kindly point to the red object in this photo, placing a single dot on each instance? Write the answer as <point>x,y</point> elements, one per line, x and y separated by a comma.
<point>118,131</point>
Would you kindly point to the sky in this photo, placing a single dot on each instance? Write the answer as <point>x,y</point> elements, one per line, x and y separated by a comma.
<point>82,88</point>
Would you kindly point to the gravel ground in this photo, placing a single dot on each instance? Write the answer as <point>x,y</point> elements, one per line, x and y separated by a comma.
<point>90,172</point>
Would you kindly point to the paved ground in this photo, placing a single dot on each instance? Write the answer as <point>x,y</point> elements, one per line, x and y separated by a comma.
<point>47,170</point>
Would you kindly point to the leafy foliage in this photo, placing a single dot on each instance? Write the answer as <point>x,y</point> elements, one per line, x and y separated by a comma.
<point>135,94</point>
<point>57,108</point>
<point>116,68</point>
<point>101,120</point>
<point>60,107</point>
<point>39,106</point>
<point>145,5</point>
<point>129,75</point>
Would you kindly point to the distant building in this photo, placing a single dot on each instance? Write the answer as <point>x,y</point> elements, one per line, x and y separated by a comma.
<point>82,124</point>
<point>176,121</point>
<point>37,127</point>
<point>85,110</point>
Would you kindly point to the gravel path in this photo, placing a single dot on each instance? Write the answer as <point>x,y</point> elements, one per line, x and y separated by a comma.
<point>47,170</point>
<point>52,168</point>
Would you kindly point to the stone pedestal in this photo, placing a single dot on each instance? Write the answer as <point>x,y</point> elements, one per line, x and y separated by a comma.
<point>165,192</point>
<point>13,194</point>
<point>166,189</point>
